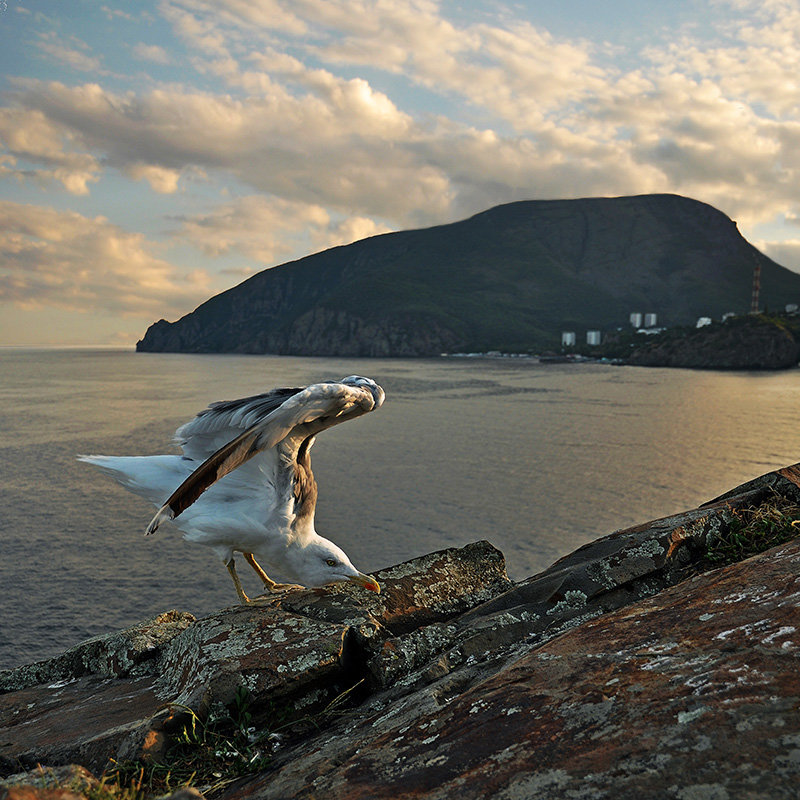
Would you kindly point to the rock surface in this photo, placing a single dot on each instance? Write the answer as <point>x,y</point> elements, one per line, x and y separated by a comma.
<point>48,783</point>
<point>624,670</point>
<point>104,700</point>
<point>130,652</point>
<point>691,694</point>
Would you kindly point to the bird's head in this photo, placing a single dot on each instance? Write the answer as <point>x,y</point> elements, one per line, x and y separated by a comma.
<point>321,562</point>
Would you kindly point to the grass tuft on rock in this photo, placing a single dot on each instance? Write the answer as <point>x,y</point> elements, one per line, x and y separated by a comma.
<point>206,754</point>
<point>753,530</point>
<point>209,754</point>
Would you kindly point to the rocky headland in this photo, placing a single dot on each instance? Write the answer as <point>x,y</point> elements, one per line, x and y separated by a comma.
<point>754,342</point>
<point>511,278</point>
<point>659,661</point>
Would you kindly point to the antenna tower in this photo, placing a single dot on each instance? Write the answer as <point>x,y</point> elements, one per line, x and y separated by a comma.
<point>754,300</point>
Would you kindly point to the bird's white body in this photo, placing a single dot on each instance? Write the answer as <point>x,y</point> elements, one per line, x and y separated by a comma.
<point>245,481</point>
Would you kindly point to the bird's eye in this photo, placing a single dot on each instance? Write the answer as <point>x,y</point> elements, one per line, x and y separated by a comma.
<point>330,562</point>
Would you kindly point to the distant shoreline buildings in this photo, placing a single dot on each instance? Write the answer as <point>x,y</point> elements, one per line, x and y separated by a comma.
<point>644,323</point>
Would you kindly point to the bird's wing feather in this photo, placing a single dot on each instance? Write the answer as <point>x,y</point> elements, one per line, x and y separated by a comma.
<point>223,421</point>
<point>304,413</point>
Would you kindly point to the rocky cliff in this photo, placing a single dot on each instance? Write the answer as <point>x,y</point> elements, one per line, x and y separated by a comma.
<point>751,342</point>
<point>511,278</point>
<point>630,668</point>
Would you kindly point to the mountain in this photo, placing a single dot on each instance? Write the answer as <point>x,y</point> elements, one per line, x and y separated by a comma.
<point>511,278</point>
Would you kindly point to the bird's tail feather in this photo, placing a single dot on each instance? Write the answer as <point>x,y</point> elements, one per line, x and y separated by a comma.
<point>145,476</point>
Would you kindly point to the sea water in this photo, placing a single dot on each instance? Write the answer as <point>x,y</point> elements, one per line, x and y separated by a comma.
<point>538,459</point>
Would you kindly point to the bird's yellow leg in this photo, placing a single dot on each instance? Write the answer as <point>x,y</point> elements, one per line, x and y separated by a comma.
<point>251,560</point>
<point>231,565</point>
<point>269,584</point>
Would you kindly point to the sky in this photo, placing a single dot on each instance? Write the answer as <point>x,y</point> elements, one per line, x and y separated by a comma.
<point>153,154</point>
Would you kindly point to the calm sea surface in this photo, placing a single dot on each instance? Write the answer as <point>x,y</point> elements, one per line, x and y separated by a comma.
<point>538,459</point>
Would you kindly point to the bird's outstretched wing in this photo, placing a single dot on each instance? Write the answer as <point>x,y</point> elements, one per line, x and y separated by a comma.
<point>224,420</point>
<point>307,411</point>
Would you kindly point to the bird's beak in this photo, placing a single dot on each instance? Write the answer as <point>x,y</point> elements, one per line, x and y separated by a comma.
<point>367,581</point>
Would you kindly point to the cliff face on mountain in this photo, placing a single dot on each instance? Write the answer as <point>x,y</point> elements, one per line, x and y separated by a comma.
<point>630,668</point>
<point>511,278</point>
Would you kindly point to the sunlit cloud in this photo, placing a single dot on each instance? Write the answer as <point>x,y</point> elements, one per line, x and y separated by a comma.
<point>786,252</point>
<point>346,150</point>
<point>289,127</point>
<point>256,226</point>
<point>266,229</point>
<point>352,229</point>
<point>30,136</point>
<point>309,136</point>
<point>519,72</point>
<point>72,262</point>
<point>161,179</point>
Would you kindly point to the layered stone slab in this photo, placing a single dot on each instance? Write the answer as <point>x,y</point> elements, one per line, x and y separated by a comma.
<point>119,696</point>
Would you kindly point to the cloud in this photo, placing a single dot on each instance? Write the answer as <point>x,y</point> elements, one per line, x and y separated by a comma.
<point>757,65</point>
<point>255,226</point>
<point>311,137</point>
<point>64,260</point>
<point>343,147</point>
<point>786,253</point>
<point>197,20</point>
<point>306,120</point>
<point>707,143</point>
<point>349,230</point>
<point>692,118</point>
<point>161,179</point>
<point>111,13</point>
<point>152,53</point>
<point>30,136</point>
<point>270,229</point>
<point>518,72</point>
<point>74,57</point>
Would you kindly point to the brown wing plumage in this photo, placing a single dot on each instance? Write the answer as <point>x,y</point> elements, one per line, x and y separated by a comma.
<point>304,414</point>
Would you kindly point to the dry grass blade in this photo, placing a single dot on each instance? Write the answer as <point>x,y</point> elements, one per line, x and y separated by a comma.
<point>753,530</point>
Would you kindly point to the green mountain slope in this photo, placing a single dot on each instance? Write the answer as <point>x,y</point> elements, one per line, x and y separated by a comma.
<point>511,278</point>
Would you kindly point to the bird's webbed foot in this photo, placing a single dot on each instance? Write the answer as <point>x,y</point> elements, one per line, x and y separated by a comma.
<point>282,587</point>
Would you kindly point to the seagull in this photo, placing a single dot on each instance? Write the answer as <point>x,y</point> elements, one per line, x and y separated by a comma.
<point>245,482</point>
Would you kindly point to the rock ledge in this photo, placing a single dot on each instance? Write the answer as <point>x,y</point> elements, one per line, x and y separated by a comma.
<point>623,670</point>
